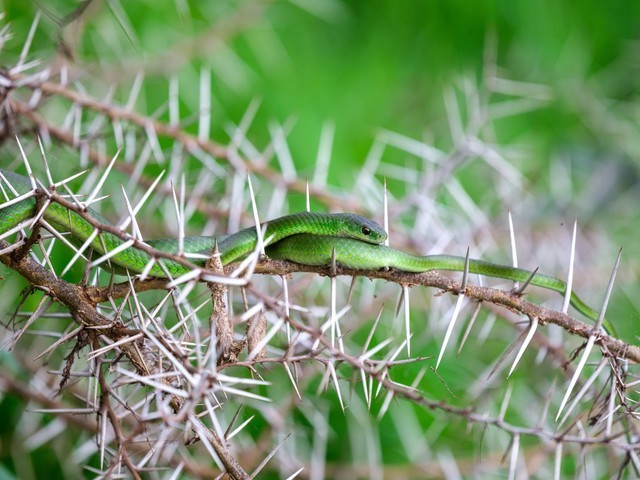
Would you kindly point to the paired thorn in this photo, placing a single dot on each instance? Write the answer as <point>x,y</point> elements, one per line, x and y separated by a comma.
<point>592,338</point>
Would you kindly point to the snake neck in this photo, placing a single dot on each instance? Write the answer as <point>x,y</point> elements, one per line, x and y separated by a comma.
<point>244,242</point>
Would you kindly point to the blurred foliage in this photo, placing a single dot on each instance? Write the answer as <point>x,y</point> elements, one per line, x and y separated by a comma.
<point>370,65</point>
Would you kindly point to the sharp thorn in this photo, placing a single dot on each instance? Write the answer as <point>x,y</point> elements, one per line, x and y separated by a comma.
<point>520,289</point>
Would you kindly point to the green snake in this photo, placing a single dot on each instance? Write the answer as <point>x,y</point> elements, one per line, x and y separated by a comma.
<point>306,238</point>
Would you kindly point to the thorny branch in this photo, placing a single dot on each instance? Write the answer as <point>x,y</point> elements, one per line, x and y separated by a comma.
<point>85,302</point>
<point>515,303</point>
<point>511,301</point>
<point>82,301</point>
<point>190,142</point>
<point>85,313</point>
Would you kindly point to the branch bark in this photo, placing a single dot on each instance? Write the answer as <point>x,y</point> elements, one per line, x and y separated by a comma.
<point>502,298</point>
<point>82,306</point>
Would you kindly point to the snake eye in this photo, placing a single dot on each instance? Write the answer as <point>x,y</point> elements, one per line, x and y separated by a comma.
<point>366,231</point>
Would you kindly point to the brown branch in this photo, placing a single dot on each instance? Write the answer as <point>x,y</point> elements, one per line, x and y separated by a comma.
<point>75,297</point>
<point>381,374</point>
<point>433,279</point>
<point>98,158</point>
<point>78,302</point>
<point>428,279</point>
<point>192,143</point>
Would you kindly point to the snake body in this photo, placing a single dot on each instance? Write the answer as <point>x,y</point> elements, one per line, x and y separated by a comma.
<point>305,238</point>
<point>318,250</point>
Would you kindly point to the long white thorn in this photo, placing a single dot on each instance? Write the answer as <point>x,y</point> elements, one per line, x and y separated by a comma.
<point>96,353</point>
<point>80,251</point>
<point>285,298</point>
<point>513,462</point>
<point>17,199</point>
<point>583,390</point>
<point>572,255</point>
<point>283,154</point>
<point>370,353</point>
<point>59,342</point>
<point>179,218</point>
<point>25,160</point>
<point>44,160</point>
<point>365,347</point>
<point>27,44</point>
<point>293,382</point>
<point>12,247</point>
<point>557,466</point>
<point>15,229</point>
<point>365,389</point>
<point>385,209</point>
<point>514,251</point>
<point>6,182</point>
<point>112,253</point>
<point>103,178</point>
<point>135,91</point>
<point>256,217</point>
<point>103,436</point>
<point>186,277</point>
<point>324,155</point>
<point>202,433</point>
<point>407,319</point>
<point>69,179</point>
<point>183,220</point>
<point>239,428</point>
<point>174,100</point>
<point>135,229</point>
<point>204,123</point>
<point>334,377</point>
<point>447,335</point>
<point>143,200</point>
<point>525,343</point>
<point>57,234</point>
<point>472,321</point>
<point>43,306</point>
<point>576,374</point>
<point>607,295</point>
<point>505,402</point>
<point>611,406</point>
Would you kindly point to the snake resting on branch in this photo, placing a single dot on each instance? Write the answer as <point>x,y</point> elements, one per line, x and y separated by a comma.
<point>306,238</point>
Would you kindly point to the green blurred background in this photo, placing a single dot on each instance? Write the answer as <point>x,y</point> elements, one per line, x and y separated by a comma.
<point>362,65</point>
<point>381,65</point>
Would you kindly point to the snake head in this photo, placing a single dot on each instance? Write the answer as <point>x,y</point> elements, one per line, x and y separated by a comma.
<point>360,228</point>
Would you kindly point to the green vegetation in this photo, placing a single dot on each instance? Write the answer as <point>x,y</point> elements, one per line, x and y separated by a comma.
<point>468,109</point>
